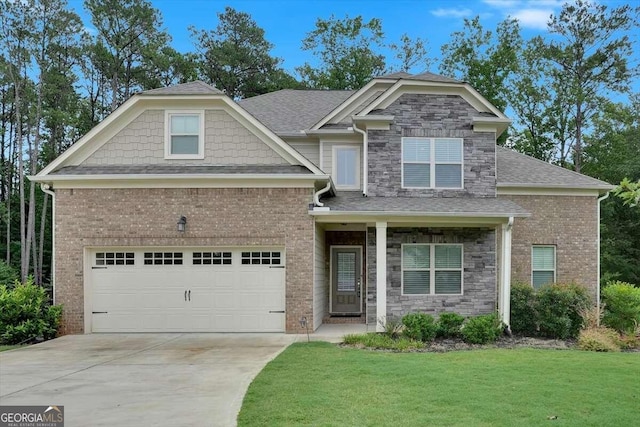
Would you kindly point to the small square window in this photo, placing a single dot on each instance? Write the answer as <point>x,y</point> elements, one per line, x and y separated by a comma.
<point>184,134</point>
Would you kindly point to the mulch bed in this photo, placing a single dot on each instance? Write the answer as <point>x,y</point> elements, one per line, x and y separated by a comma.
<point>441,346</point>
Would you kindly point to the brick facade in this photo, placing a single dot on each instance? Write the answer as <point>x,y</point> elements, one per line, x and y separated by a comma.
<point>431,116</point>
<point>570,223</point>
<point>479,276</point>
<point>216,217</point>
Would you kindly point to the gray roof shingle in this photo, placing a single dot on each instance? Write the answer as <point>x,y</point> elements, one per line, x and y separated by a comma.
<point>291,110</point>
<point>353,201</point>
<point>181,170</point>
<point>515,169</point>
<point>192,88</point>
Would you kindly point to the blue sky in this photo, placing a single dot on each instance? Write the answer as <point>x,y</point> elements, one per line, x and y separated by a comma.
<point>286,22</point>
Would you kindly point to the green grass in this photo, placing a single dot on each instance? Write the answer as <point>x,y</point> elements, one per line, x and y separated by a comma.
<point>321,384</point>
<point>9,347</point>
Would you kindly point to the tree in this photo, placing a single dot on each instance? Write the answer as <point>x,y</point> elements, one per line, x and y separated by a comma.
<point>348,51</point>
<point>629,192</point>
<point>128,33</point>
<point>484,59</point>
<point>235,57</point>
<point>590,50</point>
<point>410,53</point>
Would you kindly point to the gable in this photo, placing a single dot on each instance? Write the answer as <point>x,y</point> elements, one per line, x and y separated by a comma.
<point>226,142</point>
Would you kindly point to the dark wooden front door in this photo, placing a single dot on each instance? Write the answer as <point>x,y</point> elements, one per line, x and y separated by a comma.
<point>346,280</point>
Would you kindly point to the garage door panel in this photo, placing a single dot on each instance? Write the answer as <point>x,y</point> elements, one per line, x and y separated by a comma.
<point>226,295</point>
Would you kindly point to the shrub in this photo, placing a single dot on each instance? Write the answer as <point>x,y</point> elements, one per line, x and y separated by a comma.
<point>393,327</point>
<point>419,327</point>
<point>482,329</point>
<point>524,319</point>
<point>599,339</point>
<point>622,306</point>
<point>8,274</point>
<point>449,325</point>
<point>26,314</point>
<point>558,307</point>
<point>382,341</point>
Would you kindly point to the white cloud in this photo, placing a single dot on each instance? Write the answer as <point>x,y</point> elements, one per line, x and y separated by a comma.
<point>533,18</point>
<point>451,13</point>
<point>502,3</point>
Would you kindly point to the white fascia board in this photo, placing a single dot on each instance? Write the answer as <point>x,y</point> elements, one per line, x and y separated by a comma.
<point>373,122</point>
<point>183,181</point>
<point>345,131</point>
<point>352,101</point>
<point>552,190</point>
<point>412,216</point>
<point>496,125</point>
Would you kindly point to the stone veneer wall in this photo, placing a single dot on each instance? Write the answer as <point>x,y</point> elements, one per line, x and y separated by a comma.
<point>216,217</point>
<point>479,276</point>
<point>431,116</point>
<point>570,223</point>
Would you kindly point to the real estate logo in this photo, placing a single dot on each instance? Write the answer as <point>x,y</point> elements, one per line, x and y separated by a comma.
<point>32,416</point>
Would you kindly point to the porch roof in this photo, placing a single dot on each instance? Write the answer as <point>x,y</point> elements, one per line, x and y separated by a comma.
<point>352,202</point>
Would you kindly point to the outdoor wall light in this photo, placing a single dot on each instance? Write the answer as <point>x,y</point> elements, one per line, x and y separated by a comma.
<point>182,224</point>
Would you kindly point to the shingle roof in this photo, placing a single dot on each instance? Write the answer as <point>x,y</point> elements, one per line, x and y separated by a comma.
<point>353,201</point>
<point>517,170</point>
<point>292,110</point>
<point>192,88</point>
<point>430,77</point>
<point>181,170</point>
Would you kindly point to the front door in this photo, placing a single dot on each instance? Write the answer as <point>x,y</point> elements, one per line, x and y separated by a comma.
<point>346,280</point>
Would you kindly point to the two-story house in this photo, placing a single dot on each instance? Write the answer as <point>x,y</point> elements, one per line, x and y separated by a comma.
<point>186,211</point>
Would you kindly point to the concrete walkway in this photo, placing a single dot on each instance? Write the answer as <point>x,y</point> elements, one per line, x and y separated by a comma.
<point>139,379</point>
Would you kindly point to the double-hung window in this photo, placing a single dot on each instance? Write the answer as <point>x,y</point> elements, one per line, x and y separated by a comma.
<point>543,265</point>
<point>184,134</point>
<point>432,162</point>
<point>432,269</point>
<point>346,167</point>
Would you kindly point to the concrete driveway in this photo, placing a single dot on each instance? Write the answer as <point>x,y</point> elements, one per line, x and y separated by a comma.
<point>139,379</point>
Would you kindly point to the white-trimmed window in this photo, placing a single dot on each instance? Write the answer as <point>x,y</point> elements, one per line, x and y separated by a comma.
<point>543,265</point>
<point>184,134</point>
<point>346,167</point>
<point>432,162</point>
<point>432,269</point>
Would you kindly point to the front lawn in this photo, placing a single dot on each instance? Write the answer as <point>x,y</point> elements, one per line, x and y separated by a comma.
<point>321,384</point>
<point>9,347</point>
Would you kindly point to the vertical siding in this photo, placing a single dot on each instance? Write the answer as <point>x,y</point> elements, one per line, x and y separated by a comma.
<point>320,297</point>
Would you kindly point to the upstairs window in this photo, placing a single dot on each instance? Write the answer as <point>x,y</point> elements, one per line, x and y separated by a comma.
<point>432,163</point>
<point>346,167</point>
<point>184,137</point>
<point>543,265</point>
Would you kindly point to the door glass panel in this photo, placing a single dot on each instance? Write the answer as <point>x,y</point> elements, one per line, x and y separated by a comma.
<point>346,271</point>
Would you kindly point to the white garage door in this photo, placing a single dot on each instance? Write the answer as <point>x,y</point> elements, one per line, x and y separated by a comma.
<point>194,290</point>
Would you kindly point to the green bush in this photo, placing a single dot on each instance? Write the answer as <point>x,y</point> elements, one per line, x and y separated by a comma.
<point>559,307</point>
<point>8,275</point>
<point>524,319</point>
<point>382,341</point>
<point>419,327</point>
<point>392,327</point>
<point>26,314</point>
<point>482,329</point>
<point>449,325</point>
<point>599,339</point>
<point>622,306</point>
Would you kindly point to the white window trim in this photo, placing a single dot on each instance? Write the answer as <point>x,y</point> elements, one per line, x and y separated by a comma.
<point>432,268</point>
<point>555,262</point>
<point>432,163</point>
<point>334,161</point>
<point>167,135</point>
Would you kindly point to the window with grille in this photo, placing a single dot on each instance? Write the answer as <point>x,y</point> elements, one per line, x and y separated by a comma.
<point>261,258</point>
<point>432,269</point>
<point>212,258</point>
<point>163,258</point>
<point>432,162</point>
<point>543,265</point>
<point>115,258</point>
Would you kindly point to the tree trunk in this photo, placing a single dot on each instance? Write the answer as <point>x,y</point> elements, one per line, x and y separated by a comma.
<point>577,151</point>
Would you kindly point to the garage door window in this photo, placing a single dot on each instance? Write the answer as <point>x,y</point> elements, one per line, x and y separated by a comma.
<point>163,258</point>
<point>261,258</point>
<point>212,258</point>
<point>115,258</point>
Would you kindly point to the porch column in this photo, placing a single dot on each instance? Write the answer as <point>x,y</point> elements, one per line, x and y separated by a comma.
<point>381,276</point>
<point>504,298</point>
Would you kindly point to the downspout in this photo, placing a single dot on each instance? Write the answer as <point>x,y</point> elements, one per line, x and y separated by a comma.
<point>600,199</point>
<point>365,158</point>
<point>317,194</point>
<point>47,189</point>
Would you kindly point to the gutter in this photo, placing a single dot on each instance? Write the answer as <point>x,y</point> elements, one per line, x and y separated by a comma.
<point>365,158</point>
<point>600,199</point>
<point>317,194</point>
<point>47,189</point>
